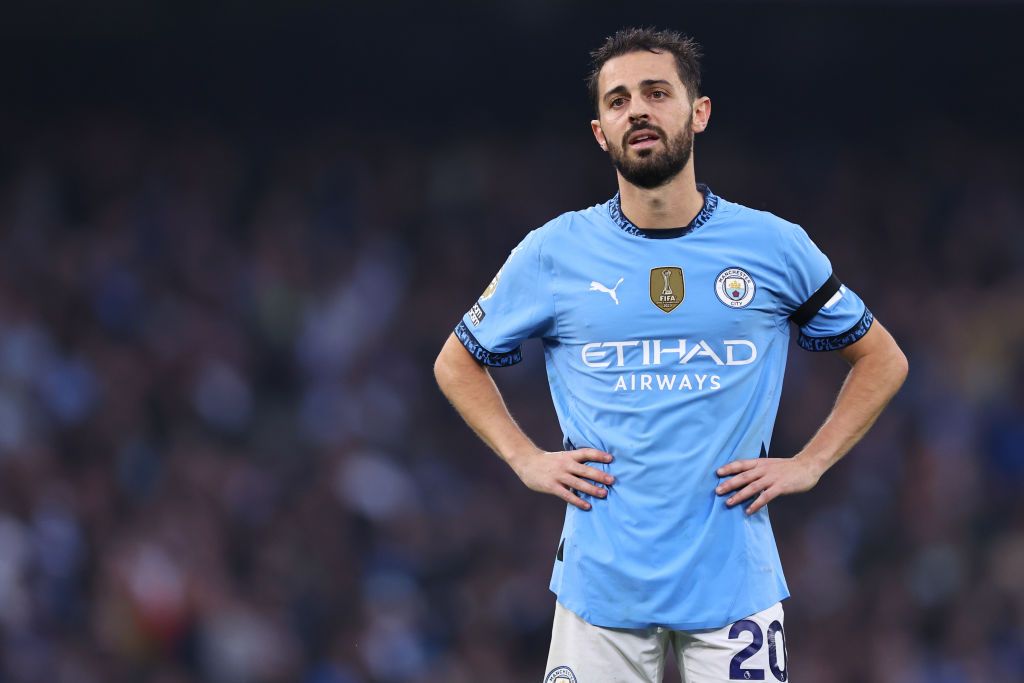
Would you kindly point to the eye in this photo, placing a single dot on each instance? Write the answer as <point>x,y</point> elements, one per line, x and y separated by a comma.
<point>659,94</point>
<point>617,102</point>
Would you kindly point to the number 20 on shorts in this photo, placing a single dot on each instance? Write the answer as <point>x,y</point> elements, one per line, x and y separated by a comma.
<point>736,670</point>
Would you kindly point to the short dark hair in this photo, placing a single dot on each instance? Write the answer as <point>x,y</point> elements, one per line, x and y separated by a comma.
<point>685,49</point>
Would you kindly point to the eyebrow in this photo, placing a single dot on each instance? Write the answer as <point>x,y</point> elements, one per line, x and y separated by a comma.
<point>621,89</point>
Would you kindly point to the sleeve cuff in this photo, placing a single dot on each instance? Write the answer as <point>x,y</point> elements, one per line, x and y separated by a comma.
<point>494,360</point>
<point>841,340</point>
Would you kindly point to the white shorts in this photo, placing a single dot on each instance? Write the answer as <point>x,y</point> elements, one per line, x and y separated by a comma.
<point>751,649</point>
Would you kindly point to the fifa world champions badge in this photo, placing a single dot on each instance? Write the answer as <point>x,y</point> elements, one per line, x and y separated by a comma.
<point>667,287</point>
<point>735,288</point>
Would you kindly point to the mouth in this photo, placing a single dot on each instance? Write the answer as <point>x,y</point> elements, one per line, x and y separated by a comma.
<point>642,139</point>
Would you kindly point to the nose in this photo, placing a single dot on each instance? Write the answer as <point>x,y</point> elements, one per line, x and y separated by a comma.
<point>637,110</point>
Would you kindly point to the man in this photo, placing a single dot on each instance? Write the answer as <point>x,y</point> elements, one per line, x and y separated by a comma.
<point>664,315</point>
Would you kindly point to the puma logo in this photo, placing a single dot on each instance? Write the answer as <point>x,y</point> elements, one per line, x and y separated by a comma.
<point>598,287</point>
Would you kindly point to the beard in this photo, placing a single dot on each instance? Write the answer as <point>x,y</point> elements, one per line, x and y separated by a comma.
<point>652,167</point>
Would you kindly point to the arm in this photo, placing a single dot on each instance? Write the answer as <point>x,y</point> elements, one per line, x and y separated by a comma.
<point>472,392</point>
<point>879,368</point>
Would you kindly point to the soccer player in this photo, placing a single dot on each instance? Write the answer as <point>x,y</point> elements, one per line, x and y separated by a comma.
<point>664,315</point>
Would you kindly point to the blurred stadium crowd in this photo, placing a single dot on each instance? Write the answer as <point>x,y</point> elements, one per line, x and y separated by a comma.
<point>222,456</point>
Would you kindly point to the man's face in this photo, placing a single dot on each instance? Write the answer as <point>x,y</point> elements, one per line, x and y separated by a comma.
<point>645,117</point>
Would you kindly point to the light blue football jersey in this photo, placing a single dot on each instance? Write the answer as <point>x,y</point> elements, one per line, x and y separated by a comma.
<point>666,349</point>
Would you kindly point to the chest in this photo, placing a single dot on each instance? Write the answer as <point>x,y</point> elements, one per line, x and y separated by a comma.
<point>665,289</point>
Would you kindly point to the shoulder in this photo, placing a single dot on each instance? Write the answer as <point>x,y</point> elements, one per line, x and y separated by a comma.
<point>760,230</point>
<point>566,227</point>
<point>764,221</point>
<point>574,220</point>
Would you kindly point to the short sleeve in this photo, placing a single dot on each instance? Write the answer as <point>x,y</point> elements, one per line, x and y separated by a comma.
<point>516,305</point>
<point>829,314</point>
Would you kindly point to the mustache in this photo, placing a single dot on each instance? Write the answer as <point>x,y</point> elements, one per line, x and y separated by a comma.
<point>637,127</point>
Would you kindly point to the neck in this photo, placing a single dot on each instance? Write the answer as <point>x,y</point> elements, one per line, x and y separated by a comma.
<point>673,205</point>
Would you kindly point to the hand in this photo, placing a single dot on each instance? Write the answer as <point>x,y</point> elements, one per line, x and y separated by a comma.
<point>559,471</point>
<point>767,479</point>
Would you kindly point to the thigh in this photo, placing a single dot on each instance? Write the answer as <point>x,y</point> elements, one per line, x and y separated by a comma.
<point>751,649</point>
<point>584,653</point>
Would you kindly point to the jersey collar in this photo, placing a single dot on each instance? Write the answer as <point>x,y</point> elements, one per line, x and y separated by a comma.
<point>710,204</point>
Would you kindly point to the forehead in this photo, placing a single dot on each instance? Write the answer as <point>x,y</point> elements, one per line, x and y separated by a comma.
<point>631,68</point>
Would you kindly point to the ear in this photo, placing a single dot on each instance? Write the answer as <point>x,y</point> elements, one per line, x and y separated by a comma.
<point>701,114</point>
<point>595,126</point>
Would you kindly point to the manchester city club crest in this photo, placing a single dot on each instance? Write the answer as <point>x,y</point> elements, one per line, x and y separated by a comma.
<point>734,287</point>
<point>561,674</point>
<point>667,287</point>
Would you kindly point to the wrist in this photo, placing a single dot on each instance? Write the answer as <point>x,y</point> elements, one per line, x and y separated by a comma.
<point>816,463</point>
<point>516,457</point>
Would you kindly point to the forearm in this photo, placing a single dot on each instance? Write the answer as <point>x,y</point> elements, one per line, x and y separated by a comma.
<point>472,392</point>
<point>879,368</point>
<point>873,380</point>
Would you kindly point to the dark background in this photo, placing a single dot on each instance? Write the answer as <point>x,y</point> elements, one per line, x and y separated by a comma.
<point>233,238</point>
